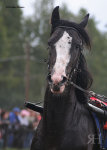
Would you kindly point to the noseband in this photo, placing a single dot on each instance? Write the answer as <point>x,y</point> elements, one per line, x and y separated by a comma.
<point>75,66</point>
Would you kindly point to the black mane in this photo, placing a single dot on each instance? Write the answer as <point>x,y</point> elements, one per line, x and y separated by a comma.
<point>83,79</point>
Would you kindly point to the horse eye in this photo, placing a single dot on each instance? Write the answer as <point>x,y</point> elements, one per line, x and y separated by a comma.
<point>77,46</point>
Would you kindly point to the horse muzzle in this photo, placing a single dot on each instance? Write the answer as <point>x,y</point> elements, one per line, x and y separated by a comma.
<point>57,86</point>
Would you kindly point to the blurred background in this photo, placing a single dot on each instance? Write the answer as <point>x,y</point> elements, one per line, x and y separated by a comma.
<point>24,32</point>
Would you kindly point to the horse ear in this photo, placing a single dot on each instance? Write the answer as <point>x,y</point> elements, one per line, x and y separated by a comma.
<point>55,16</point>
<point>85,21</point>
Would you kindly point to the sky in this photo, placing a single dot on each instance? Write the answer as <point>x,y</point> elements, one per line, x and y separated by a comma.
<point>96,8</point>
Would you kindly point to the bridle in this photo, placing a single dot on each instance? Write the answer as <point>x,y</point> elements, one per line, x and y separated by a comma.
<point>75,67</point>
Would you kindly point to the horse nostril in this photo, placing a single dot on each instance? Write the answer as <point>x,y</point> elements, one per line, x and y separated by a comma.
<point>64,79</point>
<point>49,78</point>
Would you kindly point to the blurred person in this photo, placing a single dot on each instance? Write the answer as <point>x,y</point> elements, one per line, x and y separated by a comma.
<point>34,118</point>
<point>1,136</point>
<point>25,130</point>
<point>5,117</point>
<point>36,121</point>
<point>1,140</point>
<point>3,128</point>
<point>31,116</point>
<point>13,116</point>
<point>23,117</point>
<point>13,127</point>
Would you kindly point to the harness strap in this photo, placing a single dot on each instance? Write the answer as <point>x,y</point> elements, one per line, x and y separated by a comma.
<point>75,67</point>
<point>80,88</point>
<point>90,93</point>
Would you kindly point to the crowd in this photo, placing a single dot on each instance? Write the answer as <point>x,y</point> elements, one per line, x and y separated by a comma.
<point>17,127</point>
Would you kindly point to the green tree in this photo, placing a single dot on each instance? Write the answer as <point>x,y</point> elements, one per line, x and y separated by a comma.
<point>36,31</point>
<point>10,46</point>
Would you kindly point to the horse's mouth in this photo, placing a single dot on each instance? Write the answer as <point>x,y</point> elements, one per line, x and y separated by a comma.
<point>57,87</point>
<point>57,90</point>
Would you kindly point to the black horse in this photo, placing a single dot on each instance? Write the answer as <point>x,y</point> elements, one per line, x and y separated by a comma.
<point>66,123</point>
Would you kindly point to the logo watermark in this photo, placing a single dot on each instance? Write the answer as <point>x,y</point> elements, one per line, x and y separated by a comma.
<point>15,7</point>
<point>11,6</point>
<point>92,138</point>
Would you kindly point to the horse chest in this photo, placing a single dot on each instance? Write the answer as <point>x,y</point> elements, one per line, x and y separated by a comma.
<point>67,140</point>
<point>73,141</point>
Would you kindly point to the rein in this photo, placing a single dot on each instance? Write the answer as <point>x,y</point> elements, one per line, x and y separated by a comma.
<point>90,93</point>
<point>89,105</point>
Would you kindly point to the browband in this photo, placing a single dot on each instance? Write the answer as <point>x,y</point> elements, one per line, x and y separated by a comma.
<point>67,27</point>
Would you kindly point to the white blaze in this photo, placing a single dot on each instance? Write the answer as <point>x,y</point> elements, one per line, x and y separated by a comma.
<point>62,47</point>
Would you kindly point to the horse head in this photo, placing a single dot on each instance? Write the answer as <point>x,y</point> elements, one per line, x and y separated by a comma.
<point>65,49</point>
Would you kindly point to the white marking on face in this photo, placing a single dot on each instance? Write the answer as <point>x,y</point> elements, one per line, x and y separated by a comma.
<point>62,47</point>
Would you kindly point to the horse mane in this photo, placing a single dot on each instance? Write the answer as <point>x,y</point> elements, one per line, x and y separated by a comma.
<point>84,79</point>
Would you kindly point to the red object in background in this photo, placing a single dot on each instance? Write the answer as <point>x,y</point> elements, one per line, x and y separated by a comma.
<point>105,126</point>
<point>39,117</point>
<point>98,103</point>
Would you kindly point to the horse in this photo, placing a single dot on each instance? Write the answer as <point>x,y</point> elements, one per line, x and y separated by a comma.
<point>66,123</point>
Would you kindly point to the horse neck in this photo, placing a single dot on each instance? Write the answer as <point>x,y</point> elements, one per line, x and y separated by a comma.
<point>56,109</point>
